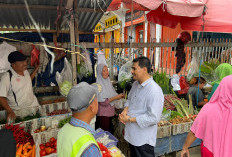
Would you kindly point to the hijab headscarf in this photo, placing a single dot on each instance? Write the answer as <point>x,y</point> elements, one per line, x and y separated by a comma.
<point>213,123</point>
<point>222,71</point>
<point>107,89</point>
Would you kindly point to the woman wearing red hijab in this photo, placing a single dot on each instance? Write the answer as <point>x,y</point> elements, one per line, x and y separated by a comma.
<point>213,124</point>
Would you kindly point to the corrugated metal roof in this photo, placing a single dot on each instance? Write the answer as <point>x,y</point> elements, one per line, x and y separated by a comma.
<point>13,14</point>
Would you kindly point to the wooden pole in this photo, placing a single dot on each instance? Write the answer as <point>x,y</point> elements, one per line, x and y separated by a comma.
<point>77,31</point>
<point>72,39</point>
<point>132,12</point>
<point>112,58</point>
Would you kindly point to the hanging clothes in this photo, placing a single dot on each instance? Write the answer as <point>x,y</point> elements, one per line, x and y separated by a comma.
<point>182,39</point>
<point>43,59</point>
<point>180,54</point>
<point>5,50</point>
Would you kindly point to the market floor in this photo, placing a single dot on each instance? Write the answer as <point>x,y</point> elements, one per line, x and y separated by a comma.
<point>194,152</point>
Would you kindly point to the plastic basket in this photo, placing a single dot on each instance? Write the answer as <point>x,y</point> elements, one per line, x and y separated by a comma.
<point>111,137</point>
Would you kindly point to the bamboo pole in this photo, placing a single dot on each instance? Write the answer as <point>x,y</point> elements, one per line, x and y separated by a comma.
<point>72,39</point>
<point>77,31</point>
<point>132,12</point>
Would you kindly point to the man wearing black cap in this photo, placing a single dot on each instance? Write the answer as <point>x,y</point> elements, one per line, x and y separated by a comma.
<point>16,93</point>
<point>77,137</point>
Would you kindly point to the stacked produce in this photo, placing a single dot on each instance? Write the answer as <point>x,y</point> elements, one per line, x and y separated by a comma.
<point>179,120</point>
<point>17,120</point>
<point>25,150</point>
<point>52,101</point>
<point>163,123</point>
<point>48,148</point>
<point>21,137</point>
<point>168,103</point>
<point>184,108</point>
<point>192,117</point>
<point>41,129</point>
<point>24,140</point>
<point>184,111</point>
<point>57,112</point>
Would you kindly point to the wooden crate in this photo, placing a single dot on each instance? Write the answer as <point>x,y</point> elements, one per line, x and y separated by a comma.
<point>164,131</point>
<point>181,128</point>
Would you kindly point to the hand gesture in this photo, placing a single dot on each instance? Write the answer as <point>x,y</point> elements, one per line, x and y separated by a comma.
<point>124,112</point>
<point>185,153</point>
<point>123,118</point>
<point>11,116</point>
<point>121,95</point>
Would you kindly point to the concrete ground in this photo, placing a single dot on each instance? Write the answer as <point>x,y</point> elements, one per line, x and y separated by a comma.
<point>194,152</point>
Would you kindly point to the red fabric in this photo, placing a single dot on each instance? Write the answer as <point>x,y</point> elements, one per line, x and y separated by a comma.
<point>205,152</point>
<point>189,8</point>
<point>185,37</point>
<point>34,56</point>
<point>184,86</point>
<point>116,4</point>
<point>217,16</point>
<point>163,18</point>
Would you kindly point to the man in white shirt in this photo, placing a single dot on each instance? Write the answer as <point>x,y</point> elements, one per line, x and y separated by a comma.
<point>143,110</point>
<point>16,93</point>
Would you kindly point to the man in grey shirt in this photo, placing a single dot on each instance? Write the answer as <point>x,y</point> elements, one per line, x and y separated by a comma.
<point>143,110</point>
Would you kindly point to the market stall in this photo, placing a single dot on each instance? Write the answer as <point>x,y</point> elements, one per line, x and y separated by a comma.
<point>177,117</point>
<point>43,131</point>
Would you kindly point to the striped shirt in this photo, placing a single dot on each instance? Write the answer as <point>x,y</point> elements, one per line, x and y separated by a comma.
<point>145,103</point>
<point>92,150</point>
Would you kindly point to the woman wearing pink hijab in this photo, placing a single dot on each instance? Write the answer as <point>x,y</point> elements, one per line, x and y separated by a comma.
<point>213,124</point>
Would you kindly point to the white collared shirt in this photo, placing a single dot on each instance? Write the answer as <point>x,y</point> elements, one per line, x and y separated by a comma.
<point>22,87</point>
<point>145,103</point>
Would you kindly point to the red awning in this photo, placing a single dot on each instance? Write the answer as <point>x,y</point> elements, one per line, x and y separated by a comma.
<point>189,8</point>
<point>116,4</point>
<point>217,18</point>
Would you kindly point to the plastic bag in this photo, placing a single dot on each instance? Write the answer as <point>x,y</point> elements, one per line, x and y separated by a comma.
<point>84,69</point>
<point>183,85</point>
<point>34,56</point>
<point>166,114</point>
<point>65,87</point>
<point>125,72</point>
<point>64,79</point>
<point>193,67</point>
<point>175,82</point>
<point>66,73</point>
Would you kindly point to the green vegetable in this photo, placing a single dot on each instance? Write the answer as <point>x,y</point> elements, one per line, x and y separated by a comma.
<point>175,114</point>
<point>183,108</point>
<point>65,87</point>
<point>63,122</point>
<point>163,81</point>
<point>164,110</point>
<point>37,115</point>
<point>123,83</point>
